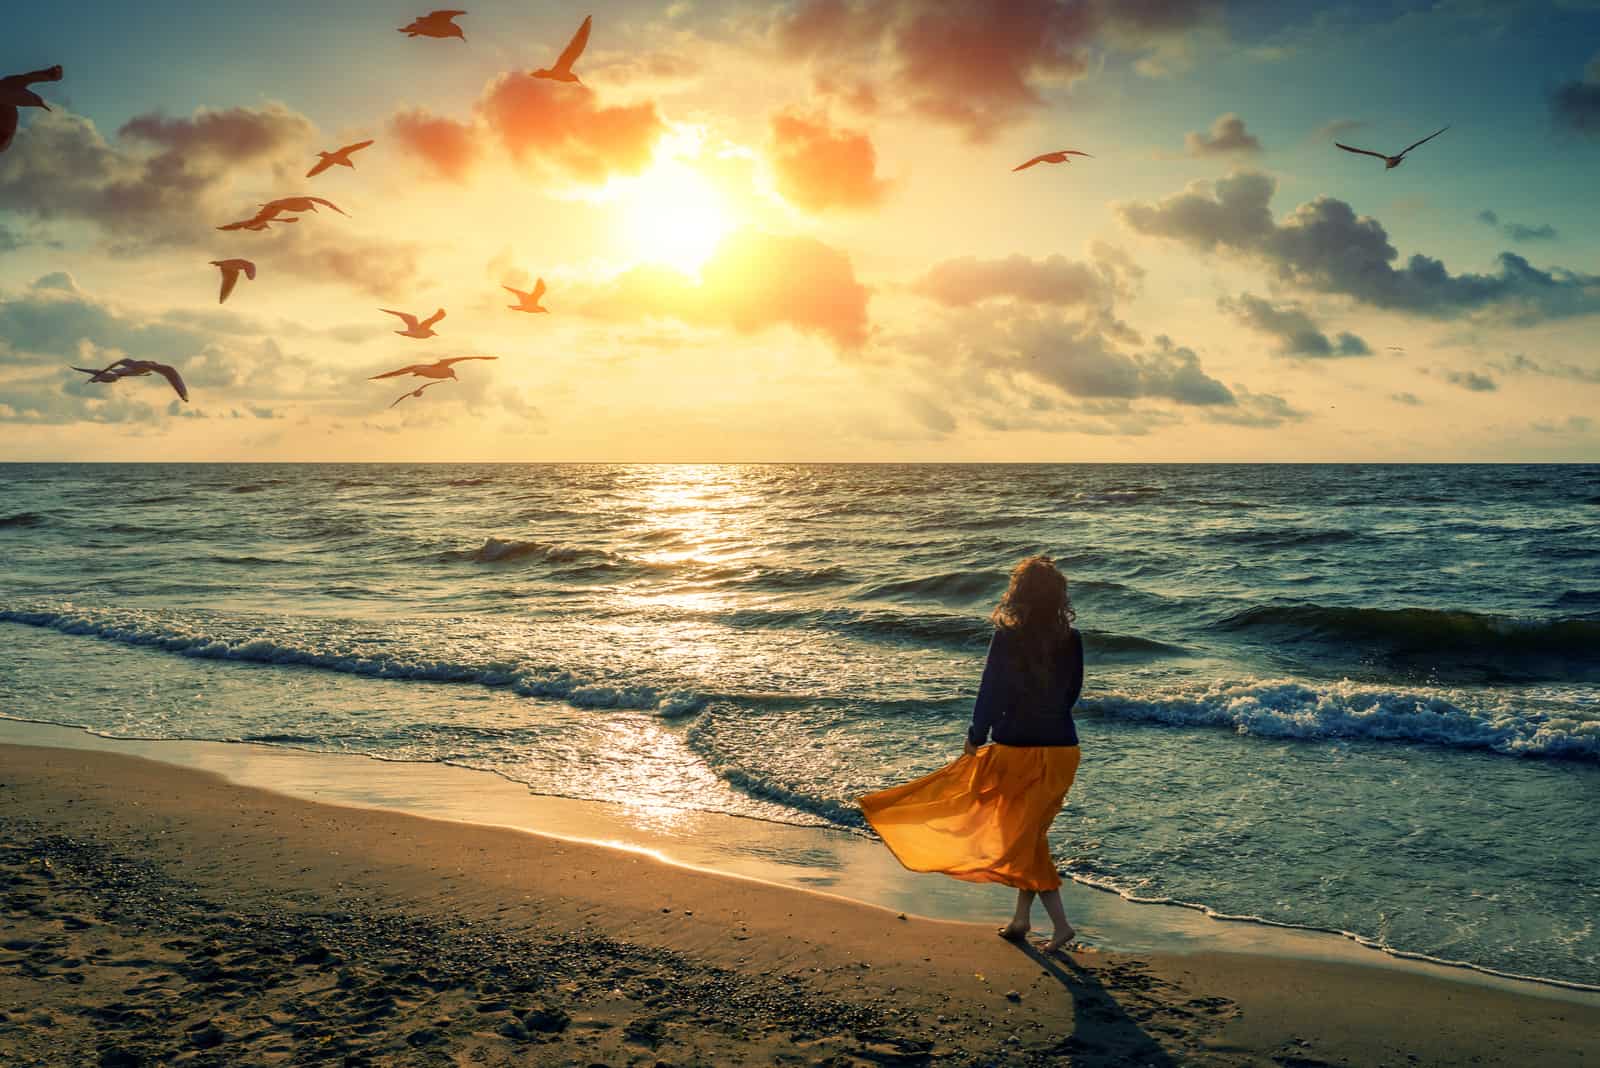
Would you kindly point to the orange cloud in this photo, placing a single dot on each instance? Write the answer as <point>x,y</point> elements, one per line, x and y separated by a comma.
<point>819,166</point>
<point>448,146</point>
<point>563,125</point>
<point>753,281</point>
<point>542,124</point>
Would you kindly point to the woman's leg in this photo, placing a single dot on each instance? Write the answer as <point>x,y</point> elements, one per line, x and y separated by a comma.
<point>1018,927</point>
<point>1064,932</point>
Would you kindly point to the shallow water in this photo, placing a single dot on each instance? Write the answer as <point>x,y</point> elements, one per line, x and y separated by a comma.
<point>1357,697</point>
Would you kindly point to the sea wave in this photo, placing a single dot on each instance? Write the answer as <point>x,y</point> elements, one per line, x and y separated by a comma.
<point>1284,708</point>
<point>1433,638</point>
<point>22,519</point>
<point>496,551</point>
<point>527,680</point>
<point>959,587</point>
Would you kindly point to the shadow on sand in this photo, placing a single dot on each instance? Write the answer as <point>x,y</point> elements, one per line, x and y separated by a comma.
<point>1104,1032</point>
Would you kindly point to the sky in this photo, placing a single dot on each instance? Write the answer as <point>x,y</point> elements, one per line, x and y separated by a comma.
<point>793,232</point>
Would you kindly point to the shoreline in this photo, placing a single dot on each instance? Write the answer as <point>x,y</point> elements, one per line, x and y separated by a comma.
<point>256,926</point>
<point>817,859</point>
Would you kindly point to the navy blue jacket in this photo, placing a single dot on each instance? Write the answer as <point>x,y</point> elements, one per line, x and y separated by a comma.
<point>1010,705</point>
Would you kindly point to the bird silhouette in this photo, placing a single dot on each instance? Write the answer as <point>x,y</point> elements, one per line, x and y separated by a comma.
<point>414,393</point>
<point>339,156</point>
<point>14,94</point>
<point>437,369</point>
<point>414,328</point>
<point>1050,157</point>
<point>562,71</point>
<point>435,24</point>
<point>126,368</point>
<point>261,220</point>
<point>283,204</point>
<point>230,274</point>
<point>1391,162</point>
<point>527,302</point>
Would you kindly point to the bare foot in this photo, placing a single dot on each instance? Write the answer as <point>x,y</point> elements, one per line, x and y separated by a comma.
<point>1061,939</point>
<point>1013,932</point>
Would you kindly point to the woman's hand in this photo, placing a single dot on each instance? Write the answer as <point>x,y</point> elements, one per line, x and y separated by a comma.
<point>967,748</point>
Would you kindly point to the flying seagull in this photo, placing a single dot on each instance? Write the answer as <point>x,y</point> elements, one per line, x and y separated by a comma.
<point>528,302</point>
<point>414,393</point>
<point>562,71</point>
<point>1051,157</point>
<point>14,94</point>
<point>437,369</point>
<point>1391,162</point>
<point>340,156</point>
<point>126,368</point>
<point>415,328</point>
<point>301,204</point>
<point>259,221</point>
<point>230,274</point>
<point>435,24</point>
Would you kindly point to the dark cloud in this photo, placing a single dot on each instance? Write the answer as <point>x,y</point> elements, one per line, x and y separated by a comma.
<point>1324,246</point>
<point>753,281</point>
<point>820,166</point>
<point>1517,231</point>
<point>1297,334</point>
<point>1228,137</point>
<point>50,322</point>
<point>9,241</point>
<point>1410,399</point>
<point>1471,380</point>
<point>162,179</point>
<point>1575,105</point>
<point>1518,364</point>
<point>449,147</point>
<point>1054,280</point>
<point>970,63</point>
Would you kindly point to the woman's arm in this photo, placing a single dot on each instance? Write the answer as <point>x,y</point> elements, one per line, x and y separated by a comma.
<point>985,708</point>
<point>1075,667</point>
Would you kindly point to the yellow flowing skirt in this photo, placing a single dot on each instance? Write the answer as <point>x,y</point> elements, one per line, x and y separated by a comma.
<point>983,818</point>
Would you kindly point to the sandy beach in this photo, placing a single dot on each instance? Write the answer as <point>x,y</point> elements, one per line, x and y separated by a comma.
<point>156,914</point>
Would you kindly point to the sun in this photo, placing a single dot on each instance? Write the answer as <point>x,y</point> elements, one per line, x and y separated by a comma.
<point>673,215</point>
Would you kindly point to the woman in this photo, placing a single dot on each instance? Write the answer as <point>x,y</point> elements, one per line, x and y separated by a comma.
<point>985,817</point>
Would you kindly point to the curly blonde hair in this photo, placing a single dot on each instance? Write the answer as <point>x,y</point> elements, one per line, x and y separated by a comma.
<point>1037,609</point>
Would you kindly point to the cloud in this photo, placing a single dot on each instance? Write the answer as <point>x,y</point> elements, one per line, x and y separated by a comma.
<point>1054,280</point>
<point>1575,105</point>
<point>1471,380</point>
<point>1227,137</point>
<point>1517,231</point>
<point>819,166</point>
<point>967,63</point>
<point>157,185</point>
<point>563,126</point>
<point>1324,246</point>
<point>9,241</point>
<point>1410,399</point>
<point>752,281</point>
<point>447,146</point>
<point>1518,364</point>
<point>1297,334</point>
<point>49,322</point>
<point>1334,129</point>
<point>559,129</point>
<point>1573,424</point>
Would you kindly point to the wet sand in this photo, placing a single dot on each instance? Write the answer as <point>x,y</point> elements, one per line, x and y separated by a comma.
<point>152,914</point>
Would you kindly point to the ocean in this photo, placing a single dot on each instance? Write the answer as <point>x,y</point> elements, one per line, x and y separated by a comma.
<point>1361,698</point>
